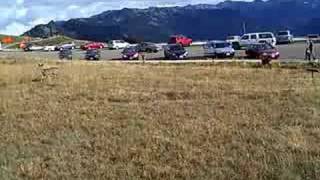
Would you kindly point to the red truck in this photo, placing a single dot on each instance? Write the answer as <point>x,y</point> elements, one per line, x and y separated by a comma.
<point>180,39</point>
<point>92,45</point>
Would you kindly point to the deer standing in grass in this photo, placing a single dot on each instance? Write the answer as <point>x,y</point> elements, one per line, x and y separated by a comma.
<point>47,71</point>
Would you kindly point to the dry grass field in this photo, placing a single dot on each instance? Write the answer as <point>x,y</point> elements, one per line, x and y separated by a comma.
<point>119,121</point>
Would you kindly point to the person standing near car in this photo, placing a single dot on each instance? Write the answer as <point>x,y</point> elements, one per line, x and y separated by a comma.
<point>142,55</point>
<point>307,54</point>
<point>310,47</point>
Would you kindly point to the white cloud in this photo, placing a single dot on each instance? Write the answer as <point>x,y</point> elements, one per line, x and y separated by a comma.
<point>20,2</point>
<point>17,28</point>
<point>21,13</point>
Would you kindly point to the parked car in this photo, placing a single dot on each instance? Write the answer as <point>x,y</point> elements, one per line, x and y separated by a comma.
<point>67,46</point>
<point>284,37</point>
<point>175,51</point>
<point>26,46</point>
<point>253,38</point>
<point>130,53</point>
<point>220,49</point>
<point>30,47</point>
<point>235,41</point>
<point>180,39</point>
<point>93,54</point>
<point>49,48</point>
<point>260,50</point>
<point>117,44</point>
<point>65,54</point>
<point>92,45</point>
<point>148,47</point>
<point>314,37</point>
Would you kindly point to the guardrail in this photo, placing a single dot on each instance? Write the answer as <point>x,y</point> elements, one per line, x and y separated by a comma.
<point>299,39</point>
<point>198,43</point>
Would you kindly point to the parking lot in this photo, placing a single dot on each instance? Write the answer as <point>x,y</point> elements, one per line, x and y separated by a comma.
<point>287,52</point>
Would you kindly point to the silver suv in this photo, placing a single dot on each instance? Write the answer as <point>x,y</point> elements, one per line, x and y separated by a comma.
<point>284,37</point>
<point>220,49</point>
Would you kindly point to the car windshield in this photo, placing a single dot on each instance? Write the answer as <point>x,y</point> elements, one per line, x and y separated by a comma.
<point>129,50</point>
<point>283,33</point>
<point>222,45</point>
<point>176,48</point>
<point>262,46</point>
<point>65,52</point>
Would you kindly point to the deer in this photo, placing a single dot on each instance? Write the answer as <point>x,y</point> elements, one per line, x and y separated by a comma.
<point>47,71</point>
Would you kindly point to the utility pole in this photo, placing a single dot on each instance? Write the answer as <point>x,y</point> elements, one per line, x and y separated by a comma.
<point>51,33</point>
<point>244,28</point>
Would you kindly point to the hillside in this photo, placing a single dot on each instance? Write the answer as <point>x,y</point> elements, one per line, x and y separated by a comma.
<point>198,21</point>
<point>57,40</point>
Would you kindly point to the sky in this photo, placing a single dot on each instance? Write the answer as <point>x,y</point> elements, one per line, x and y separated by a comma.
<point>18,16</point>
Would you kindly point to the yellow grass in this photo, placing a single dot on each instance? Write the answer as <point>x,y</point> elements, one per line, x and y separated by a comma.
<point>118,121</point>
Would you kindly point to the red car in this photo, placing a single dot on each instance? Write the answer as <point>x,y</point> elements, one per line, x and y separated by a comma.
<point>180,39</point>
<point>260,50</point>
<point>92,45</point>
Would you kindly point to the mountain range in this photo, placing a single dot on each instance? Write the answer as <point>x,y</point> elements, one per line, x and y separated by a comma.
<point>201,22</point>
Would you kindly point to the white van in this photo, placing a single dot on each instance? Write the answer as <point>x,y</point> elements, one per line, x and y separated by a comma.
<point>117,44</point>
<point>261,37</point>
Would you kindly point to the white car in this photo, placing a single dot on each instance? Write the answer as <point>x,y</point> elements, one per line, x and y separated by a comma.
<point>118,44</point>
<point>67,46</point>
<point>314,38</point>
<point>220,49</point>
<point>260,37</point>
<point>36,48</point>
<point>49,48</point>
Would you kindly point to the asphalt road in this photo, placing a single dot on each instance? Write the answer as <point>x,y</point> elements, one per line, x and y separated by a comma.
<point>287,53</point>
